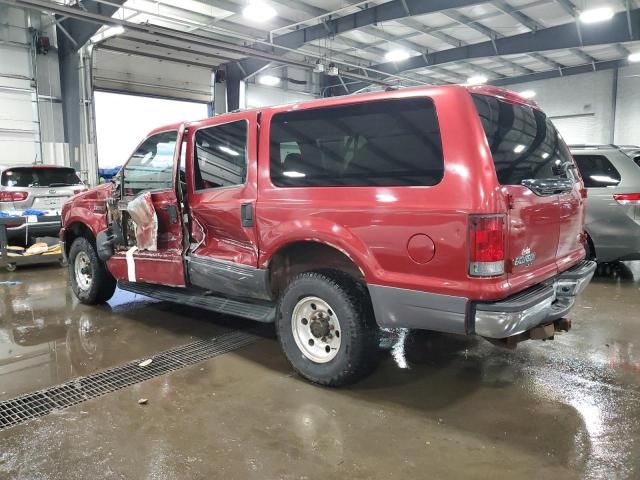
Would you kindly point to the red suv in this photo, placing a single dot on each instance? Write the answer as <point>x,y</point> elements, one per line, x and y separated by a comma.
<point>444,208</point>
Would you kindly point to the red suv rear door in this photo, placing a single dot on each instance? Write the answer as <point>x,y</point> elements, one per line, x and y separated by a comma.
<point>535,169</point>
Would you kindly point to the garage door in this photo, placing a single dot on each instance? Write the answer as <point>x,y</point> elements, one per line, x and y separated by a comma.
<point>577,128</point>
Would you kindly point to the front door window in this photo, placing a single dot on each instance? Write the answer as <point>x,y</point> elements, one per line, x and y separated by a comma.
<point>151,166</point>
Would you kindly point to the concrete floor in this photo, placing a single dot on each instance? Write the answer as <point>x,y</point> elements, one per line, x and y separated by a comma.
<point>438,407</point>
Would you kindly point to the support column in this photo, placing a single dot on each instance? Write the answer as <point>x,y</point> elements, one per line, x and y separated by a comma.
<point>229,89</point>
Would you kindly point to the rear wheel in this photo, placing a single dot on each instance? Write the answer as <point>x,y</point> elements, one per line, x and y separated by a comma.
<point>326,328</point>
<point>90,280</point>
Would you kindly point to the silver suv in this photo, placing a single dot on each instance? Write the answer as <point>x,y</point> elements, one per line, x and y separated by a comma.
<point>44,188</point>
<point>612,177</point>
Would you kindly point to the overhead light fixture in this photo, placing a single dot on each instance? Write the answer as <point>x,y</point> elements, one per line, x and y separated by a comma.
<point>333,70</point>
<point>319,68</point>
<point>258,11</point>
<point>634,57</point>
<point>477,80</point>
<point>528,93</point>
<point>269,80</point>
<point>397,55</point>
<point>595,15</point>
<point>519,149</point>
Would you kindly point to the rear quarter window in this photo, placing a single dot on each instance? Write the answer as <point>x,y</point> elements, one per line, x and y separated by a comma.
<point>383,143</point>
<point>597,171</point>
<point>524,143</point>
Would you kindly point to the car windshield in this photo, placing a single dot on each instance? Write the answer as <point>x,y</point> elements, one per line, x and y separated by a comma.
<point>39,177</point>
<point>524,143</point>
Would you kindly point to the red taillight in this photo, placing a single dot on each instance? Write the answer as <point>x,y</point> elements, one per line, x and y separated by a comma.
<point>487,249</point>
<point>627,198</point>
<point>13,196</point>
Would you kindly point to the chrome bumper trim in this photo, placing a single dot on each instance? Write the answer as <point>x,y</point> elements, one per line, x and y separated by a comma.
<point>536,306</point>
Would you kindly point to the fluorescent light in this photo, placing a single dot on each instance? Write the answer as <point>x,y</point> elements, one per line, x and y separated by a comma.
<point>477,80</point>
<point>634,57</point>
<point>258,11</point>
<point>528,94</point>
<point>269,80</point>
<point>595,15</point>
<point>230,151</point>
<point>545,155</point>
<point>397,55</point>
<point>519,149</point>
<point>293,174</point>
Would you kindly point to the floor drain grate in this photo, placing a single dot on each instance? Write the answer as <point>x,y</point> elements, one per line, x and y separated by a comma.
<point>43,402</point>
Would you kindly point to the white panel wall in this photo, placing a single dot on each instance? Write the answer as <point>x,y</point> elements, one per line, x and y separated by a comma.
<point>21,121</point>
<point>19,130</point>
<point>628,106</point>
<point>581,105</point>
<point>261,96</point>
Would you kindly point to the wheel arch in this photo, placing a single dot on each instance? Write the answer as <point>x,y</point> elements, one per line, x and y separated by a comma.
<point>301,256</point>
<point>75,230</point>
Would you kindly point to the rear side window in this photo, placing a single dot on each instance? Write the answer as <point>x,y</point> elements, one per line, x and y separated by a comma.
<point>524,143</point>
<point>597,171</point>
<point>39,177</point>
<point>383,143</point>
<point>221,155</point>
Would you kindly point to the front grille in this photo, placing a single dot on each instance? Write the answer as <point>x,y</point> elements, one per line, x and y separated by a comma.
<point>43,402</point>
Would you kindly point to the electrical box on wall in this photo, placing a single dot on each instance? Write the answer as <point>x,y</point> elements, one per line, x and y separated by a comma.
<point>42,44</point>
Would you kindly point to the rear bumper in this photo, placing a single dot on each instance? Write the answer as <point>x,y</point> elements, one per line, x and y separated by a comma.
<point>39,229</point>
<point>536,306</point>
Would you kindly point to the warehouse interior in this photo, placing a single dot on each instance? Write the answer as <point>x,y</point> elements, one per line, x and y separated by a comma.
<point>83,82</point>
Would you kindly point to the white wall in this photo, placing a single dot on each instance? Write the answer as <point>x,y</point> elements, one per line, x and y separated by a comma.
<point>261,96</point>
<point>628,106</point>
<point>22,124</point>
<point>581,106</point>
<point>19,131</point>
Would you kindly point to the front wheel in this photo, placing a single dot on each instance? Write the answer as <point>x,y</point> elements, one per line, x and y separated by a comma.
<point>90,280</point>
<point>326,328</point>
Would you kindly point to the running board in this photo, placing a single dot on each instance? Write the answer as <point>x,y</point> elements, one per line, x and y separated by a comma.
<point>258,311</point>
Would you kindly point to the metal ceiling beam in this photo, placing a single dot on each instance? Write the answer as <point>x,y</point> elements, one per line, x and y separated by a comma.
<point>171,34</point>
<point>568,71</point>
<point>552,38</point>
<point>369,16</point>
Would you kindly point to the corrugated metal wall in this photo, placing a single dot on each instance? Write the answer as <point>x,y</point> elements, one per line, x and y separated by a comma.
<point>30,124</point>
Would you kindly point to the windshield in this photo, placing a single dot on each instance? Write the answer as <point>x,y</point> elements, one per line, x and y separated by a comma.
<point>39,177</point>
<point>524,143</point>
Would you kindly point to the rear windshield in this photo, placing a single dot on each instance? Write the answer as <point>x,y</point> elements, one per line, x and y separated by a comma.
<point>524,143</point>
<point>39,177</point>
<point>390,142</point>
<point>597,171</point>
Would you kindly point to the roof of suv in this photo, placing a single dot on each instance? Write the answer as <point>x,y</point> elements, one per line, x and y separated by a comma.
<point>499,92</point>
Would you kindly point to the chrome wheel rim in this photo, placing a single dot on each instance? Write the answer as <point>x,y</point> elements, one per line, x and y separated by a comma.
<point>82,269</point>
<point>316,329</point>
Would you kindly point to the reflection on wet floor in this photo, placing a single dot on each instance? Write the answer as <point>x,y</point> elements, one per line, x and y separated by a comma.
<point>47,337</point>
<point>568,407</point>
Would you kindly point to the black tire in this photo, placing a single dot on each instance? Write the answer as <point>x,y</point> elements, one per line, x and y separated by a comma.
<point>590,250</point>
<point>358,352</point>
<point>102,285</point>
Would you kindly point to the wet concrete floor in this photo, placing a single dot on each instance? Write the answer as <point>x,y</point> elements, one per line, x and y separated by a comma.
<point>437,407</point>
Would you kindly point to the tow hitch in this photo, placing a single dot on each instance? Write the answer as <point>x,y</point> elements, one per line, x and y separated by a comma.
<point>542,332</point>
